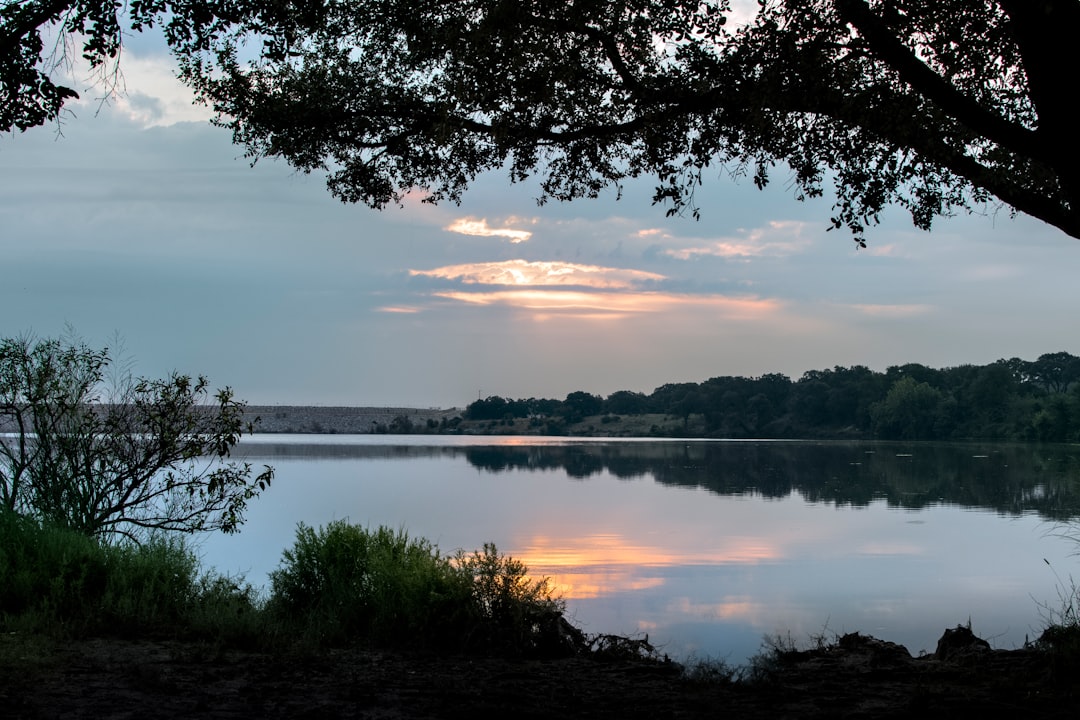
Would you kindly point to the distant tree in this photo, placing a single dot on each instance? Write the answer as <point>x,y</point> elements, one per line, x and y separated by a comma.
<point>908,412</point>
<point>759,413</point>
<point>1053,422</point>
<point>810,399</point>
<point>992,392</point>
<point>579,405</point>
<point>1055,372</point>
<point>1020,370</point>
<point>491,408</point>
<point>625,402</point>
<point>667,397</point>
<point>541,407</point>
<point>775,387</point>
<point>915,371</point>
<point>139,456</point>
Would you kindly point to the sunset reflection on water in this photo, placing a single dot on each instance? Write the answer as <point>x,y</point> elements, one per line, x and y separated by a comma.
<point>591,566</point>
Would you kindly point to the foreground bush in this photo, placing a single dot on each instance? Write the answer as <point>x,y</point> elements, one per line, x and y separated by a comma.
<point>344,583</point>
<point>60,581</point>
<point>341,584</point>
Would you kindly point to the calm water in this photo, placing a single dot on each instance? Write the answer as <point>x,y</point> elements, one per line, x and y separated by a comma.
<point>708,546</point>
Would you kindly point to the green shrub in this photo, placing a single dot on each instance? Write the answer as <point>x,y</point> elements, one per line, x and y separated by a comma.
<point>150,587</point>
<point>60,581</point>
<point>336,585</point>
<point>231,612</point>
<point>47,573</point>
<point>344,583</point>
<point>511,611</point>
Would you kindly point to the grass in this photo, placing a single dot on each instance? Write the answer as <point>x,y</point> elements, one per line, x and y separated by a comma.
<point>1061,637</point>
<point>337,585</point>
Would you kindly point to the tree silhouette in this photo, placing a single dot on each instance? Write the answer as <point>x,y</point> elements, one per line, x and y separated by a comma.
<point>936,106</point>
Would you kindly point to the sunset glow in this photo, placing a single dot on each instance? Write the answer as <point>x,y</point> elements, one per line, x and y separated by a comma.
<point>543,274</point>
<point>617,303</point>
<point>602,564</point>
<point>473,226</point>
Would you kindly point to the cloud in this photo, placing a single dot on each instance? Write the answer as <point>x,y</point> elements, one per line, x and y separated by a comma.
<point>584,291</point>
<point>479,227</point>
<point>892,311</point>
<point>611,305</point>
<point>777,238</point>
<point>886,250</point>
<point>542,274</point>
<point>146,91</point>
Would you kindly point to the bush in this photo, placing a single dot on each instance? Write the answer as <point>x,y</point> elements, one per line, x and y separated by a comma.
<point>511,611</point>
<point>344,583</point>
<point>49,574</point>
<point>341,584</point>
<point>59,581</point>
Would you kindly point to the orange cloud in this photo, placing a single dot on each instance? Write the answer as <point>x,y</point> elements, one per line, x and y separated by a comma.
<point>480,227</point>
<point>554,288</point>
<point>397,309</point>
<point>607,305</point>
<point>541,273</point>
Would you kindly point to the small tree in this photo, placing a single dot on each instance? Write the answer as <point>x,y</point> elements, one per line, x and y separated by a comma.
<point>908,412</point>
<point>137,456</point>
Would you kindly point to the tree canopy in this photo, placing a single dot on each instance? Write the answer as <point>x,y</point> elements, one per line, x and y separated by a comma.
<point>120,457</point>
<point>1012,399</point>
<point>932,105</point>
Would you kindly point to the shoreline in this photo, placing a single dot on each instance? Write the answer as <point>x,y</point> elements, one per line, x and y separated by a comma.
<point>854,676</point>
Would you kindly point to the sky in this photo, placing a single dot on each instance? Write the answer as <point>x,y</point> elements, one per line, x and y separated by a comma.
<point>137,220</point>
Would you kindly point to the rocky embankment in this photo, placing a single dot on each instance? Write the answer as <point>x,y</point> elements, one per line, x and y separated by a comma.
<point>346,420</point>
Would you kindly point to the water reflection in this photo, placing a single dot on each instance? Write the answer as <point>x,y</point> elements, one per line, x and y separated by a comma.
<point>707,546</point>
<point>602,564</point>
<point>1009,479</point>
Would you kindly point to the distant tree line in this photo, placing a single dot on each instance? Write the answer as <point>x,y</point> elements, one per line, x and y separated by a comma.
<point>1006,400</point>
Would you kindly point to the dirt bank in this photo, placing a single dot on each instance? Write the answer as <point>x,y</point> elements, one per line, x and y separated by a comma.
<point>856,677</point>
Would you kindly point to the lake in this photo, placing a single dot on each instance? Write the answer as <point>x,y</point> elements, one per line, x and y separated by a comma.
<point>708,546</point>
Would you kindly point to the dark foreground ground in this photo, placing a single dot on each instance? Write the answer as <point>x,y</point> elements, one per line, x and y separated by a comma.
<point>856,677</point>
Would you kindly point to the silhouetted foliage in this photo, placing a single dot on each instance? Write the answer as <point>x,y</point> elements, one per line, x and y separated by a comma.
<point>579,405</point>
<point>932,106</point>
<point>1005,400</point>
<point>122,458</point>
